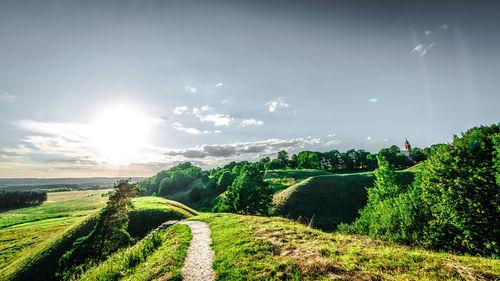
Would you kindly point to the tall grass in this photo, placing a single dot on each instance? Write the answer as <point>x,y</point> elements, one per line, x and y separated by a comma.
<point>160,254</point>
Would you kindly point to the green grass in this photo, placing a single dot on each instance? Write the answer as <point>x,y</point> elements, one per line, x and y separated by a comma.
<point>149,212</point>
<point>26,232</point>
<point>326,201</point>
<point>260,248</point>
<point>295,174</point>
<point>158,257</point>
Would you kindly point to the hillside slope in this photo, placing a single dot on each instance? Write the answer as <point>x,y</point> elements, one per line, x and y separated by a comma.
<point>325,201</point>
<point>261,248</point>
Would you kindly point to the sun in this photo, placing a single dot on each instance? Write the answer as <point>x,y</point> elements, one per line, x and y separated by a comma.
<point>118,134</point>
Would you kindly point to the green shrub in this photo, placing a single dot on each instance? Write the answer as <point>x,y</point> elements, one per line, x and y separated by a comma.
<point>460,186</point>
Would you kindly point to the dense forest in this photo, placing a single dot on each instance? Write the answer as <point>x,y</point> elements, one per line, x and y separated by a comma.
<point>10,199</point>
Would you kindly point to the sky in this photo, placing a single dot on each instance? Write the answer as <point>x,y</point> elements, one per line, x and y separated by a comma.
<point>127,88</point>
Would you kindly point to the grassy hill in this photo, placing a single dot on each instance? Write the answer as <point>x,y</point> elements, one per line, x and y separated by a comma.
<point>33,239</point>
<point>327,200</point>
<point>260,248</point>
<point>148,212</point>
<point>30,235</point>
<point>272,248</point>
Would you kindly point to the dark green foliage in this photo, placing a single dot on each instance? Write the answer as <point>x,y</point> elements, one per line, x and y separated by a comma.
<point>249,194</point>
<point>417,154</point>
<point>325,201</point>
<point>225,180</point>
<point>109,233</point>
<point>205,177</point>
<point>282,157</point>
<point>307,160</point>
<point>10,199</point>
<point>453,205</point>
<point>394,212</point>
<point>172,180</point>
<point>460,185</point>
<point>195,195</point>
<point>274,165</point>
<point>143,221</point>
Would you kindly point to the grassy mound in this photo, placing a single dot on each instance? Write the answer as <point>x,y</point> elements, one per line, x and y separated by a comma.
<point>326,201</point>
<point>33,238</point>
<point>148,212</point>
<point>160,256</point>
<point>259,248</point>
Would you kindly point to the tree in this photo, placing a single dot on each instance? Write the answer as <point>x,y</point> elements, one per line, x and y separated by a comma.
<point>393,212</point>
<point>460,185</point>
<point>249,194</point>
<point>274,164</point>
<point>283,158</point>
<point>109,233</point>
<point>225,180</point>
<point>293,162</point>
<point>307,160</point>
<point>417,154</point>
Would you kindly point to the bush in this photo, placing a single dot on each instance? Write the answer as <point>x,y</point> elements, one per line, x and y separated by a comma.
<point>460,185</point>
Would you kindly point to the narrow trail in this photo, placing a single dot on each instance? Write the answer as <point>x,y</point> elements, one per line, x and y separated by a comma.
<point>200,256</point>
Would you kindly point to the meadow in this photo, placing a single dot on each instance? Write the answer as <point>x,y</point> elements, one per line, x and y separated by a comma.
<point>25,232</point>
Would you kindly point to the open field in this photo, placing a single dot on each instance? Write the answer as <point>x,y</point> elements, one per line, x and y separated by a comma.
<point>260,248</point>
<point>25,231</point>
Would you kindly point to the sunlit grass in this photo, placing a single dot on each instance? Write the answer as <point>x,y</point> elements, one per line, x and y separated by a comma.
<point>24,231</point>
<point>260,248</point>
<point>158,257</point>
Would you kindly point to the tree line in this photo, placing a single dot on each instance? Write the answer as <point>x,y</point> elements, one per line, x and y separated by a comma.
<point>11,199</point>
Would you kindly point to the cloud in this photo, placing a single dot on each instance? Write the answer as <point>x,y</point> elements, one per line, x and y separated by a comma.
<point>190,89</point>
<point>179,110</point>
<point>273,105</point>
<point>386,139</point>
<point>369,138</point>
<point>218,85</point>
<point>4,96</point>
<point>156,120</point>
<point>249,122</point>
<point>217,119</point>
<point>82,142</point>
<point>373,100</point>
<point>202,113</point>
<point>192,131</point>
<point>333,142</point>
<point>331,135</point>
<point>422,49</point>
<point>266,147</point>
<point>443,27</point>
<point>179,127</point>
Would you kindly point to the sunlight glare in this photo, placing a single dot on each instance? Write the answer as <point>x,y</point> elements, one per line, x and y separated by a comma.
<point>119,133</point>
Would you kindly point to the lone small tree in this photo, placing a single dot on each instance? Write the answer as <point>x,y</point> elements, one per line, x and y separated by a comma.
<point>109,233</point>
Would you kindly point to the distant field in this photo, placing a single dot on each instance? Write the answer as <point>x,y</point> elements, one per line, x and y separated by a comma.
<point>24,230</point>
<point>59,183</point>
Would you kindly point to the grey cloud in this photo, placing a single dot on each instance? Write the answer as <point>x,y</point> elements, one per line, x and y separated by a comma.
<point>266,147</point>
